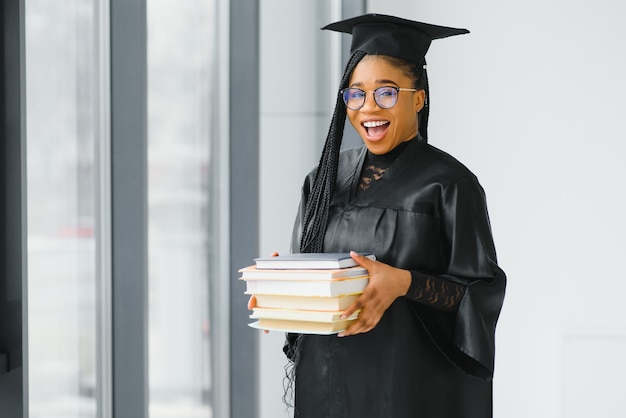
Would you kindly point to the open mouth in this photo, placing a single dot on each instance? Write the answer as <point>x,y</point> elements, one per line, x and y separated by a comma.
<point>376,128</point>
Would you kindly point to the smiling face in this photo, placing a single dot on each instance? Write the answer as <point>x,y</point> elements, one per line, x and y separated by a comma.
<point>384,129</point>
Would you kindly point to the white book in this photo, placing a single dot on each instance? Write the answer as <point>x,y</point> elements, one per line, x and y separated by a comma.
<point>252,272</point>
<point>309,261</point>
<point>302,327</point>
<point>317,303</point>
<point>299,315</point>
<point>308,287</point>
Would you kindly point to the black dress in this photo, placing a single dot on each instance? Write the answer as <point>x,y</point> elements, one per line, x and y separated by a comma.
<point>432,353</point>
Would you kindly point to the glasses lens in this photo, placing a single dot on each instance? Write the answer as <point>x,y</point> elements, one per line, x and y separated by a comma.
<point>386,97</point>
<point>353,98</point>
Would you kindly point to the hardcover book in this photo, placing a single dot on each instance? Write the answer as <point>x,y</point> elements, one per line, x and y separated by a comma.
<point>254,273</point>
<point>348,286</point>
<point>309,261</point>
<point>316,303</point>
<point>302,327</point>
<point>299,315</point>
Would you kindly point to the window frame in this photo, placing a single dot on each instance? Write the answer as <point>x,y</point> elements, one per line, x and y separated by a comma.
<point>122,207</point>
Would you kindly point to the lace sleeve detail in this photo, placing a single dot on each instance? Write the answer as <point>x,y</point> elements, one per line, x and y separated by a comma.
<point>436,292</point>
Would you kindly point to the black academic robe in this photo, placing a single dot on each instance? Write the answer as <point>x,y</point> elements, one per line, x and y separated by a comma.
<point>426,214</point>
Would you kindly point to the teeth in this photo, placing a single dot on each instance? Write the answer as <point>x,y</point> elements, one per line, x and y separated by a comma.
<point>373,124</point>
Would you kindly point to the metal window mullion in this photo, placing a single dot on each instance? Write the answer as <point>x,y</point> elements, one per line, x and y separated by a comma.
<point>244,199</point>
<point>129,208</point>
<point>220,283</point>
<point>102,158</point>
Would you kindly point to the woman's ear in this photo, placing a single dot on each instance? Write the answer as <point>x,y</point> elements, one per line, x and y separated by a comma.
<point>420,100</point>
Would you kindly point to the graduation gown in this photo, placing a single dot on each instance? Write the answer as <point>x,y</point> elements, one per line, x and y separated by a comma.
<point>427,214</point>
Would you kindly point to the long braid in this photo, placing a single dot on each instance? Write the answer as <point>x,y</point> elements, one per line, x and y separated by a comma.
<point>318,204</point>
<point>423,115</point>
<point>316,211</point>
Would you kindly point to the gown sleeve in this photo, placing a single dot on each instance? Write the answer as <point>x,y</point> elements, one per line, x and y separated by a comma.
<point>467,335</point>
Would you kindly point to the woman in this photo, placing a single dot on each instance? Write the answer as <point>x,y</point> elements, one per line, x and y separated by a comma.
<point>423,344</point>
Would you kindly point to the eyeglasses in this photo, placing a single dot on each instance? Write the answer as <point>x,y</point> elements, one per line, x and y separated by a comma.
<point>385,97</point>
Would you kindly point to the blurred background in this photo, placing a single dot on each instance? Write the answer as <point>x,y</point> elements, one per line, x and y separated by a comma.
<point>63,127</point>
<point>532,101</point>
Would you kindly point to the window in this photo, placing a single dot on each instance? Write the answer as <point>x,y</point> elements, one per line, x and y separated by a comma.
<point>181,50</point>
<point>69,206</point>
<point>62,123</point>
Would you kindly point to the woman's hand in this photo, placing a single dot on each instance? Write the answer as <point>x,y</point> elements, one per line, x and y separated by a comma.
<point>251,305</point>
<point>251,302</point>
<point>386,284</point>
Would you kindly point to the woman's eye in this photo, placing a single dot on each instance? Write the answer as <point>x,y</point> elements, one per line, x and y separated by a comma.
<point>386,92</point>
<point>356,94</point>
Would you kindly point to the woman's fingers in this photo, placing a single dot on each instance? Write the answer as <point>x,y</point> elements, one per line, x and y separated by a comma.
<point>251,305</point>
<point>356,305</point>
<point>368,318</point>
<point>251,302</point>
<point>385,285</point>
<point>362,260</point>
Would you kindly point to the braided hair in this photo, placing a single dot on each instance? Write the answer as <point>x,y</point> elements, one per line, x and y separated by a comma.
<point>316,211</point>
<point>318,203</point>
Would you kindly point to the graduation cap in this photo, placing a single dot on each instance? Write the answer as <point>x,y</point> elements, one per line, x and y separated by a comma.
<point>379,34</point>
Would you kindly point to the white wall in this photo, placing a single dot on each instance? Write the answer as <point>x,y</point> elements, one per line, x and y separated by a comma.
<point>533,101</point>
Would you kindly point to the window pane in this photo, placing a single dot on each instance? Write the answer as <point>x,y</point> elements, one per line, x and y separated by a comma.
<point>180,62</point>
<point>60,82</point>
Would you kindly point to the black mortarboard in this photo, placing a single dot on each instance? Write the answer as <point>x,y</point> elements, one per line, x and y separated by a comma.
<point>389,35</point>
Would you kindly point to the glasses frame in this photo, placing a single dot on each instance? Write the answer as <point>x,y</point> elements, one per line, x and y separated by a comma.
<point>397,89</point>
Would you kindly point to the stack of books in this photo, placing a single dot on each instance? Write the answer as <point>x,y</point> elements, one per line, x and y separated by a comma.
<point>304,293</point>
